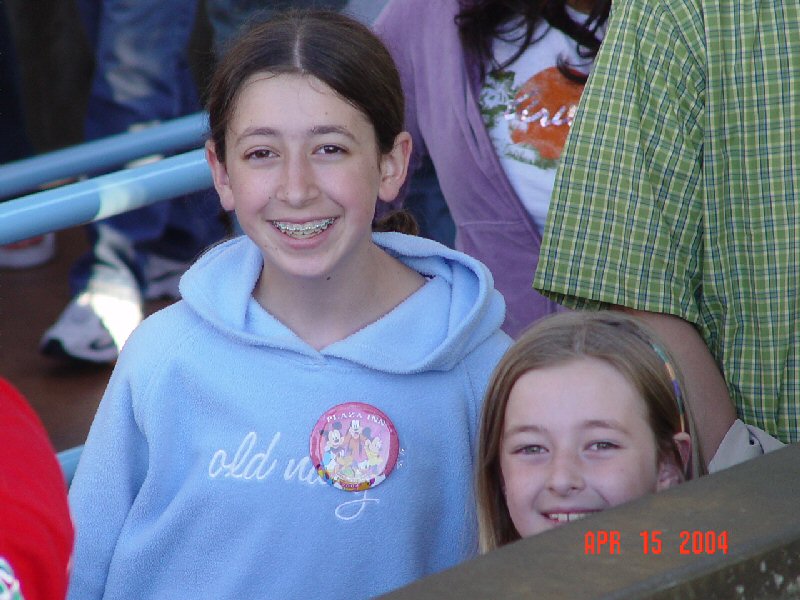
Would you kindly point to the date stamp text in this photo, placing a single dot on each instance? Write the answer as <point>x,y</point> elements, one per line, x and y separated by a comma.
<point>651,541</point>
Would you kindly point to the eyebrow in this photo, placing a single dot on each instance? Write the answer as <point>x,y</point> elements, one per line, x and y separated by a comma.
<point>314,131</point>
<point>266,131</point>
<point>590,424</point>
<point>325,129</point>
<point>525,429</point>
<point>604,424</point>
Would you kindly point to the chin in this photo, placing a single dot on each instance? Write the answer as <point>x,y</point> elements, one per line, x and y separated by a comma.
<point>539,526</point>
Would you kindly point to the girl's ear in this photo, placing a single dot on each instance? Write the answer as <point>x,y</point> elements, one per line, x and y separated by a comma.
<point>394,167</point>
<point>220,176</point>
<point>670,473</point>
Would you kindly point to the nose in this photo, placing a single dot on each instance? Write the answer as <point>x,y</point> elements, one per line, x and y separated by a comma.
<point>566,474</point>
<point>297,185</point>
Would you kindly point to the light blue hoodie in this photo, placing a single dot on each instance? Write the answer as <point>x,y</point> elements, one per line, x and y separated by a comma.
<point>196,480</point>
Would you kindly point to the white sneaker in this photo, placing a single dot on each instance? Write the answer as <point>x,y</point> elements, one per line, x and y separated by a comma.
<point>28,253</point>
<point>162,276</point>
<point>93,328</point>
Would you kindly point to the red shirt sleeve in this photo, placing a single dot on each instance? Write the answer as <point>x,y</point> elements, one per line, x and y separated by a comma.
<point>36,533</point>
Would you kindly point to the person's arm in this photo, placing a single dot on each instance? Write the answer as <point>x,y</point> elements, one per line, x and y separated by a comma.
<point>705,388</point>
<point>35,528</point>
<point>626,221</point>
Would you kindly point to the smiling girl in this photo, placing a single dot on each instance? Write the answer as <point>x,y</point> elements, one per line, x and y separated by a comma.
<point>308,393</point>
<point>585,412</point>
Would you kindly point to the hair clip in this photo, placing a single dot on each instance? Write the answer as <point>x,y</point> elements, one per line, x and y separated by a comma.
<point>674,378</point>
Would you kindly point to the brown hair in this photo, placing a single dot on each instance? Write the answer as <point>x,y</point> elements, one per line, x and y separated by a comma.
<point>480,22</point>
<point>610,336</point>
<point>338,50</point>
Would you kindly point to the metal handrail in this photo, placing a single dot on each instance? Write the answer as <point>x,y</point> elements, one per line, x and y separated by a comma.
<point>98,156</point>
<point>103,196</point>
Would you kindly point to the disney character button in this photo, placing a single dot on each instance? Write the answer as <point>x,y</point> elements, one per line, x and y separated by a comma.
<point>354,446</point>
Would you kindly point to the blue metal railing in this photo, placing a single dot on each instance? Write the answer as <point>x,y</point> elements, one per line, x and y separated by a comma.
<point>68,459</point>
<point>103,196</point>
<point>101,155</point>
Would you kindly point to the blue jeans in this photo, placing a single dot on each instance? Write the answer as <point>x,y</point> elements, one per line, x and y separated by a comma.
<point>228,16</point>
<point>425,201</point>
<point>142,75</point>
<point>141,65</point>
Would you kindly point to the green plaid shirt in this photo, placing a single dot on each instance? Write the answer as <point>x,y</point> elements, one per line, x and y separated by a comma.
<point>678,188</point>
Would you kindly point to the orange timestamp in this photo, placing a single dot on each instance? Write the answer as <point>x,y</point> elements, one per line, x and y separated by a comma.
<point>695,542</point>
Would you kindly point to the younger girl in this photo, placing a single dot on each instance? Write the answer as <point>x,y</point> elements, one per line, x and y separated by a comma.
<point>287,429</point>
<point>585,412</point>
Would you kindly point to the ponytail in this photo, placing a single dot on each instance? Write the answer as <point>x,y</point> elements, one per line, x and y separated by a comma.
<point>400,221</point>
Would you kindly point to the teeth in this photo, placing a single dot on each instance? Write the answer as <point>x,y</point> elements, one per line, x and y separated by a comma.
<point>303,230</point>
<point>566,517</point>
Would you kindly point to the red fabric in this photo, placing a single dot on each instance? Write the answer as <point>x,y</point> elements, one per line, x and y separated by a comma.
<point>35,527</point>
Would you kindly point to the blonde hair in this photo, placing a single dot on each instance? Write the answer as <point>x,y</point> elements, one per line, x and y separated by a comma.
<point>617,339</point>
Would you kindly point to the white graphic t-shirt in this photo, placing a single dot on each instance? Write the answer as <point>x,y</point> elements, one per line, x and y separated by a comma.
<point>528,108</point>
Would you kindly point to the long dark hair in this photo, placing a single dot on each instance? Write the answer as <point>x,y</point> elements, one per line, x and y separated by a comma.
<point>481,21</point>
<point>334,48</point>
<point>337,50</point>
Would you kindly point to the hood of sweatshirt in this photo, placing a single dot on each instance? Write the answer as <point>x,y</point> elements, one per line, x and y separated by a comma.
<point>434,329</point>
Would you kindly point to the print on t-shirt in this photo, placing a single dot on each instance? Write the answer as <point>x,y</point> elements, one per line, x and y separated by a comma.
<point>538,115</point>
<point>528,107</point>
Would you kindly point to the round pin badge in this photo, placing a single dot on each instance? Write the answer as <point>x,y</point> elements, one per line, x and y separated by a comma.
<point>354,446</point>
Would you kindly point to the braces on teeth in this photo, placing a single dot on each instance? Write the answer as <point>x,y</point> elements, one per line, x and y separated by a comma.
<point>305,229</point>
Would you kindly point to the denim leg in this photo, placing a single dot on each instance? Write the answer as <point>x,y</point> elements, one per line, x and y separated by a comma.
<point>425,201</point>
<point>178,229</point>
<point>141,70</point>
<point>228,16</point>
<point>194,222</point>
<point>142,75</point>
<point>106,268</point>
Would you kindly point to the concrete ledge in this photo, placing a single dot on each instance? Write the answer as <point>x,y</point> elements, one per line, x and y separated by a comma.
<point>753,509</point>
